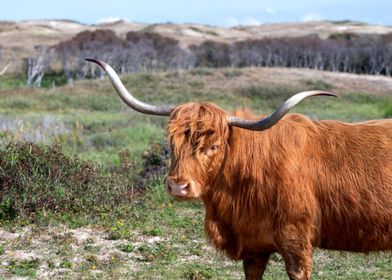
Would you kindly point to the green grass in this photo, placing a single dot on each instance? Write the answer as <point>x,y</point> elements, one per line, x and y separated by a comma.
<point>50,80</point>
<point>202,71</point>
<point>135,235</point>
<point>388,111</point>
<point>178,252</point>
<point>25,268</point>
<point>318,84</point>
<point>12,81</point>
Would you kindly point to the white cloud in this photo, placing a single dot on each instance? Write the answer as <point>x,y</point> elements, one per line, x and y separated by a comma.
<point>312,17</point>
<point>110,20</point>
<point>270,11</point>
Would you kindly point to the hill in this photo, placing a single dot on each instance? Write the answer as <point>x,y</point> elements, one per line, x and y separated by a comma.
<point>19,39</point>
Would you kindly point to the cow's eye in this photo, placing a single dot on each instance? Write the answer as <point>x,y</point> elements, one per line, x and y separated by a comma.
<point>211,150</point>
<point>213,147</point>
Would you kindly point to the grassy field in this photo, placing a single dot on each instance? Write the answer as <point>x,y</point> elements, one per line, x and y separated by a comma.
<point>89,223</point>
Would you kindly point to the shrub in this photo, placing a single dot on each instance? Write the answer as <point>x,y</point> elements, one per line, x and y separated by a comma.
<point>155,163</point>
<point>35,178</point>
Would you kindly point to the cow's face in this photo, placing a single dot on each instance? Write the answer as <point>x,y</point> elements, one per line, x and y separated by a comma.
<point>198,135</point>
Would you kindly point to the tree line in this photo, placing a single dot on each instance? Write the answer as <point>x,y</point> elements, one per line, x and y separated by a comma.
<point>139,51</point>
<point>145,51</point>
<point>350,53</point>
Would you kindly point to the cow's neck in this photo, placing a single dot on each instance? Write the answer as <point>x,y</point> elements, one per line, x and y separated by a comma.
<point>237,185</point>
<point>236,191</point>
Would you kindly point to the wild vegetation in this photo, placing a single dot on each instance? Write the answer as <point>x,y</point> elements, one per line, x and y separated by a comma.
<point>81,178</point>
<point>341,52</point>
<point>146,51</point>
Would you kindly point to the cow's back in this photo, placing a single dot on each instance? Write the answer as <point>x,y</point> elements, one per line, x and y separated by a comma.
<point>353,185</point>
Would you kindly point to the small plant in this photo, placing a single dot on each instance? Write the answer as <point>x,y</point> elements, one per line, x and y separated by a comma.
<point>158,250</point>
<point>65,264</point>
<point>26,268</point>
<point>92,260</point>
<point>2,249</point>
<point>51,264</point>
<point>127,248</point>
<point>153,232</point>
<point>119,231</point>
<point>198,272</point>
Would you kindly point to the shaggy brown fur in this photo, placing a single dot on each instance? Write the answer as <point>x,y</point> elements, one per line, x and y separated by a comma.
<point>298,185</point>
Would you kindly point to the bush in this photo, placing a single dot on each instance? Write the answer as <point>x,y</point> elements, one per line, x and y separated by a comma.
<point>155,163</point>
<point>35,178</point>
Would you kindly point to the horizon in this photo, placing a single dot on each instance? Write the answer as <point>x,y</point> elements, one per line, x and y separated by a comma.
<point>190,23</point>
<point>219,13</point>
<point>114,20</point>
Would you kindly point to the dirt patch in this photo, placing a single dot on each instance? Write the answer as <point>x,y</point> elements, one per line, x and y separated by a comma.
<point>58,252</point>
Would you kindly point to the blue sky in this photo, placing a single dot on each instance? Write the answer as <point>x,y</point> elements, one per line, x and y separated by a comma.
<point>211,12</point>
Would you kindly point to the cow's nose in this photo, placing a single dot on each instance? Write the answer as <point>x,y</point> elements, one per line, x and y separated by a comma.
<point>178,188</point>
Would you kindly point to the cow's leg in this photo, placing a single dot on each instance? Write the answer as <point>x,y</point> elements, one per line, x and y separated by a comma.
<point>255,267</point>
<point>294,244</point>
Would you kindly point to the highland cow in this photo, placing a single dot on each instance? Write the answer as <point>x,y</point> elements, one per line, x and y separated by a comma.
<point>283,183</point>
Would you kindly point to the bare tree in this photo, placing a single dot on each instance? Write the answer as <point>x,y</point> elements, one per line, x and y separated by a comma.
<point>353,53</point>
<point>36,67</point>
<point>6,67</point>
<point>212,54</point>
<point>103,44</point>
<point>145,51</point>
<point>140,51</point>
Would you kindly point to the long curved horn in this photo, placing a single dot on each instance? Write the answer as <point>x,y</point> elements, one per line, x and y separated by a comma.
<point>127,97</point>
<point>272,119</point>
